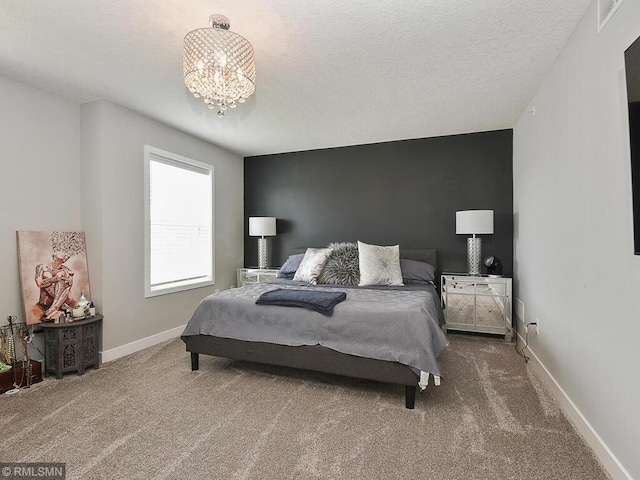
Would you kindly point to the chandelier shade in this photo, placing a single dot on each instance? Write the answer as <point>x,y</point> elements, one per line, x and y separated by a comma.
<point>219,65</point>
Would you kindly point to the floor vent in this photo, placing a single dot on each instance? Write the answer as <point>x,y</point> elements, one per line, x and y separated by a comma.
<point>606,9</point>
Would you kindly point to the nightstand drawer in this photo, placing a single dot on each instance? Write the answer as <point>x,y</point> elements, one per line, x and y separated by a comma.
<point>249,276</point>
<point>475,286</point>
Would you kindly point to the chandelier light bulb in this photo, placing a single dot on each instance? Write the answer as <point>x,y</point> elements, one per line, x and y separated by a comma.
<point>200,66</point>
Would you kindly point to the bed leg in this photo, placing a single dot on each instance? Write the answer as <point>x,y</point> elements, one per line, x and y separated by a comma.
<point>194,361</point>
<point>410,396</point>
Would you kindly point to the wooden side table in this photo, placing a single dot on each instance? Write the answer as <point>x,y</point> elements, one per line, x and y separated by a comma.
<point>73,346</point>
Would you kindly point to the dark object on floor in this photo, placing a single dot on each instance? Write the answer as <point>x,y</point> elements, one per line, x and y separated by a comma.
<point>319,301</point>
<point>19,375</point>
<point>72,347</point>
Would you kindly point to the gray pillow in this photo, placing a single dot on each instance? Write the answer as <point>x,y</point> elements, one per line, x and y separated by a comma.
<point>312,264</point>
<point>342,267</point>
<point>290,266</point>
<point>416,272</point>
<point>379,265</point>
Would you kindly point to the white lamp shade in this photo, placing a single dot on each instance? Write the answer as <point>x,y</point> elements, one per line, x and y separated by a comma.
<point>262,226</point>
<point>474,222</point>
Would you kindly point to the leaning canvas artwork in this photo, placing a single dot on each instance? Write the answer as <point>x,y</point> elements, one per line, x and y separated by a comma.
<point>53,273</point>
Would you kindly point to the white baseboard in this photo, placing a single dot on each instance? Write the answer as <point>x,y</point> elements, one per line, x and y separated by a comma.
<point>601,450</point>
<point>133,347</point>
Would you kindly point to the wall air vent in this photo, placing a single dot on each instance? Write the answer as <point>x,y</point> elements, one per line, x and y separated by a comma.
<point>606,9</point>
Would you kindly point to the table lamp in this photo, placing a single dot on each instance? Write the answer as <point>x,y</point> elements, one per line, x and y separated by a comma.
<point>474,222</point>
<point>262,227</point>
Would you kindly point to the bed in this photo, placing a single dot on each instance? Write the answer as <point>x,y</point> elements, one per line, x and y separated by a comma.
<point>387,334</point>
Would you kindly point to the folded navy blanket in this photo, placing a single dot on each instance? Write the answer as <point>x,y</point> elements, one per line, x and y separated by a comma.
<point>319,301</point>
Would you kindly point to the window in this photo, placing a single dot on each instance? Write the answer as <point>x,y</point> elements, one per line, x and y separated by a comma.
<point>178,223</point>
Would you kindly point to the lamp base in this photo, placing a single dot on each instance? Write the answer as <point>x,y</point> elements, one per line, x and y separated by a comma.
<point>263,253</point>
<point>474,254</point>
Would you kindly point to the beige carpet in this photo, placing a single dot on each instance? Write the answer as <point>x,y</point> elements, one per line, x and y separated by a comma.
<point>147,416</point>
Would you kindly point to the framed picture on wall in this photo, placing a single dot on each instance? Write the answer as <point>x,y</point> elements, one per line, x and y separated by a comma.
<point>53,273</point>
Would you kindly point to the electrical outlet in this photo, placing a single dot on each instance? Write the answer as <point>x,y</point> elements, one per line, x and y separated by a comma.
<point>217,290</point>
<point>537,326</point>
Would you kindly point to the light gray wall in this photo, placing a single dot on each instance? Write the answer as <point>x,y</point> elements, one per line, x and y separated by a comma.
<point>574,261</point>
<point>40,174</point>
<point>66,167</point>
<point>112,215</point>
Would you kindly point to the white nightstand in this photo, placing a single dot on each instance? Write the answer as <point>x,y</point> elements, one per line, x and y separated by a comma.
<point>249,276</point>
<point>477,303</point>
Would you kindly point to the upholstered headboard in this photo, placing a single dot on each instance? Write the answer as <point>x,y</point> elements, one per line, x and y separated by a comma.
<point>426,255</point>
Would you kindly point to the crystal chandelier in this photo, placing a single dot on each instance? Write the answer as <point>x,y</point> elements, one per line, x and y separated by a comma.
<point>218,65</point>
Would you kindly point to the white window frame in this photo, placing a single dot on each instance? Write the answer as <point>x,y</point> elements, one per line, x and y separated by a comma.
<point>153,153</point>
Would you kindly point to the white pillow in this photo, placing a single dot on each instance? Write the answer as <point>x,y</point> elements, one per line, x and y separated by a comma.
<point>379,265</point>
<point>312,264</point>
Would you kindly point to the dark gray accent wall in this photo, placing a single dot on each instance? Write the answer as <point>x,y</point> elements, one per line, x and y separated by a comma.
<point>404,192</point>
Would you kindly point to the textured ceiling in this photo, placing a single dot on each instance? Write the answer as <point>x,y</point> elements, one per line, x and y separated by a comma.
<point>329,72</point>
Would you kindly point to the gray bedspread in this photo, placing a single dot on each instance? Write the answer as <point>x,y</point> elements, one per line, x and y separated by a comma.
<point>400,324</point>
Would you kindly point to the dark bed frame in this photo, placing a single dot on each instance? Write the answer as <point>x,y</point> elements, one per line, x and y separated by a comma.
<point>314,357</point>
